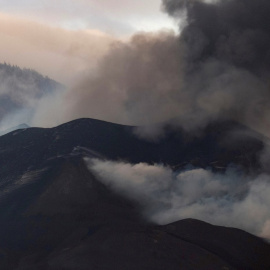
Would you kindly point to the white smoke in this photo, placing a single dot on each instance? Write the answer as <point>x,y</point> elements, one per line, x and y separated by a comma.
<point>229,199</point>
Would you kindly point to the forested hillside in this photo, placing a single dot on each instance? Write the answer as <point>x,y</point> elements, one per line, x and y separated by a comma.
<point>20,88</point>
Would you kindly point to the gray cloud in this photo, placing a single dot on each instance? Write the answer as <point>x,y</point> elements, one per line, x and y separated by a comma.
<point>230,199</point>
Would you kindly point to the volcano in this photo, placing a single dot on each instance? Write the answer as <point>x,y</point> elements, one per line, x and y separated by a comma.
<point>56,214</point>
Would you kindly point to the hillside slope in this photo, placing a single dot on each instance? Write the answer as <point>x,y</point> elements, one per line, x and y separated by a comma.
<point>55,214</point>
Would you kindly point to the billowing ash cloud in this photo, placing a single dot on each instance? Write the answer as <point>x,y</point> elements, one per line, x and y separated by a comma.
<point>226,56</point>
<point>217,68</point>
<point>229,199</point>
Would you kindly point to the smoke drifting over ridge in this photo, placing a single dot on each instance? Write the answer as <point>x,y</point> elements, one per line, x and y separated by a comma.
<point>216,69</point>
<point>230,199</point>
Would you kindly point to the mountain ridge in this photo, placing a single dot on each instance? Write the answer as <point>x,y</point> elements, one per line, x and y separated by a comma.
<point>56,214</point>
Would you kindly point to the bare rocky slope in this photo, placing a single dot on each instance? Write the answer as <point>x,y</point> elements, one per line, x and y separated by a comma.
<point>55,214</point>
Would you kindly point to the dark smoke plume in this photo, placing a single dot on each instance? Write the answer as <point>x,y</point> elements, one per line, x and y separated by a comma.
<point>235,32</point>
<point>226,54</point>
<point>215,69</point>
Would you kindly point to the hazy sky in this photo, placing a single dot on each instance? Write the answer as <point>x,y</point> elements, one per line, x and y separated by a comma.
<point>112,16</point>
<point>64,38</point>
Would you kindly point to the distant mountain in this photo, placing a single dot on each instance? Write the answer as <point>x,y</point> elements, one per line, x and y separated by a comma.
<point>55,214</point>
<point>19,88</point>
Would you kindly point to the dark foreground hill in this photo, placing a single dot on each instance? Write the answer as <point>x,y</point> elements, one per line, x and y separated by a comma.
<point>55,214</point>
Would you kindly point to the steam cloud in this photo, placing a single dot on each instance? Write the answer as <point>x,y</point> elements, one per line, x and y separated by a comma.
<point>229,199</point>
